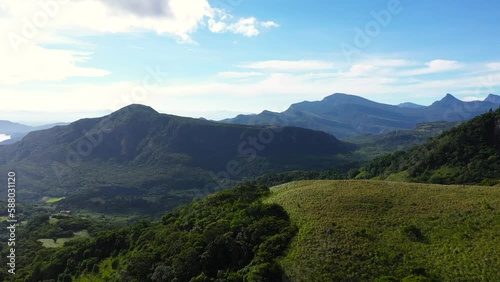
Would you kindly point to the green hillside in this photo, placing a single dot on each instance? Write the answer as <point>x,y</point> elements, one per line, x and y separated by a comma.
<point>228,236</point>
<point>468,153</point>
<point>371,145</point>
<point>366,230</point>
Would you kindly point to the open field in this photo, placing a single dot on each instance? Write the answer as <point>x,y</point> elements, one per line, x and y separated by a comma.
<point>364,230</point>
<point>49,243</point>
<point>50,200</point>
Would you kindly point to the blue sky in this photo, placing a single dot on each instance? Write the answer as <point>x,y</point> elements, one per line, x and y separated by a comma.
<point>64,60</point>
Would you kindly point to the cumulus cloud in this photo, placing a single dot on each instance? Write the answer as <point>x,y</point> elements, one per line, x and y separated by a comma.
<point>29,27</point>
<point>142,8</point>
<point>173,17</point>
<point>248,27</point>
<point>269,24</point>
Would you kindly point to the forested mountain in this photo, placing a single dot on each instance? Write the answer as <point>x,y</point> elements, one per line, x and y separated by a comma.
<point>138,158</point>
<point>346,116</point>
<point>468,153</point>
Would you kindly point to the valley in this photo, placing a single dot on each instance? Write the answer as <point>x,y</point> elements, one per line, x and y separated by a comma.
<point>284,203</point>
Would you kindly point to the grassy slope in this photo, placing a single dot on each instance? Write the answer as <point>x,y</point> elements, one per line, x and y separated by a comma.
<point>361,230</point>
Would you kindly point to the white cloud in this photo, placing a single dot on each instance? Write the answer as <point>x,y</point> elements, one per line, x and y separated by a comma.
<point>472,98</point>
<point>493,66</point>
<point>233,74</point>
<point>384,62</point>
<point>283,65</point>
<point>271,85</point>
<point>435,66</point>
<point>174,17</point>
<point>39,64</point>
<point>269,24</point>
<point>245,26</point>
<point>360,70</point>
<point>27,26</point>
<point>248,27</point>
<point>443,65</point>
<point>216,27</point>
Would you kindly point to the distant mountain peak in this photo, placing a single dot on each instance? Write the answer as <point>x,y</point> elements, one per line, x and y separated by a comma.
<point>449,97</point>
<point>138,107</point>
<point>342,97</point>
<point>133,109</point>
<point>492,98</point>
<point>410,105</point>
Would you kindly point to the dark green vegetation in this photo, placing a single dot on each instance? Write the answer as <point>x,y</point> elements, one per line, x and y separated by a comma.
<point>388,231</point>
<point>229,236</point>
<point>346,116</point>
<point>140,164</point>
<point>372,145</point>
<point>468,153</point>
<point>144,162</point>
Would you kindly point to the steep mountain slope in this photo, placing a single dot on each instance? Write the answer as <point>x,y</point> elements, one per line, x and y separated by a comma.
<point>468,153</point>
<point>156,160</point>
<point>346,116</point>
<point>492,98</point>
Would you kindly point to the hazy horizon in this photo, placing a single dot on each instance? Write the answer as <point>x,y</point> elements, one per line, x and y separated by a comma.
<point>37,118</point>
<point>213,59</point>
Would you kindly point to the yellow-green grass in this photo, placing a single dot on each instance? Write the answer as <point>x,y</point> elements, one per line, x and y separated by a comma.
<point>50,200</point>
<point>361,230</point>
<point>49,243</point>
<point>53,220</point>
<point>82,233</point>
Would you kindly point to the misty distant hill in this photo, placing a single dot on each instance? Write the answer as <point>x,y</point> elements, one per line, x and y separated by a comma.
<point>17,131</point>
<point>345,116</point>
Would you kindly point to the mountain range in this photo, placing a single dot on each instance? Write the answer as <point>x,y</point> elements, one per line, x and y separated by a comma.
<point>137,152</point>
<point>17,131</point>
<point>346,116</point>
<point>139,157</point>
